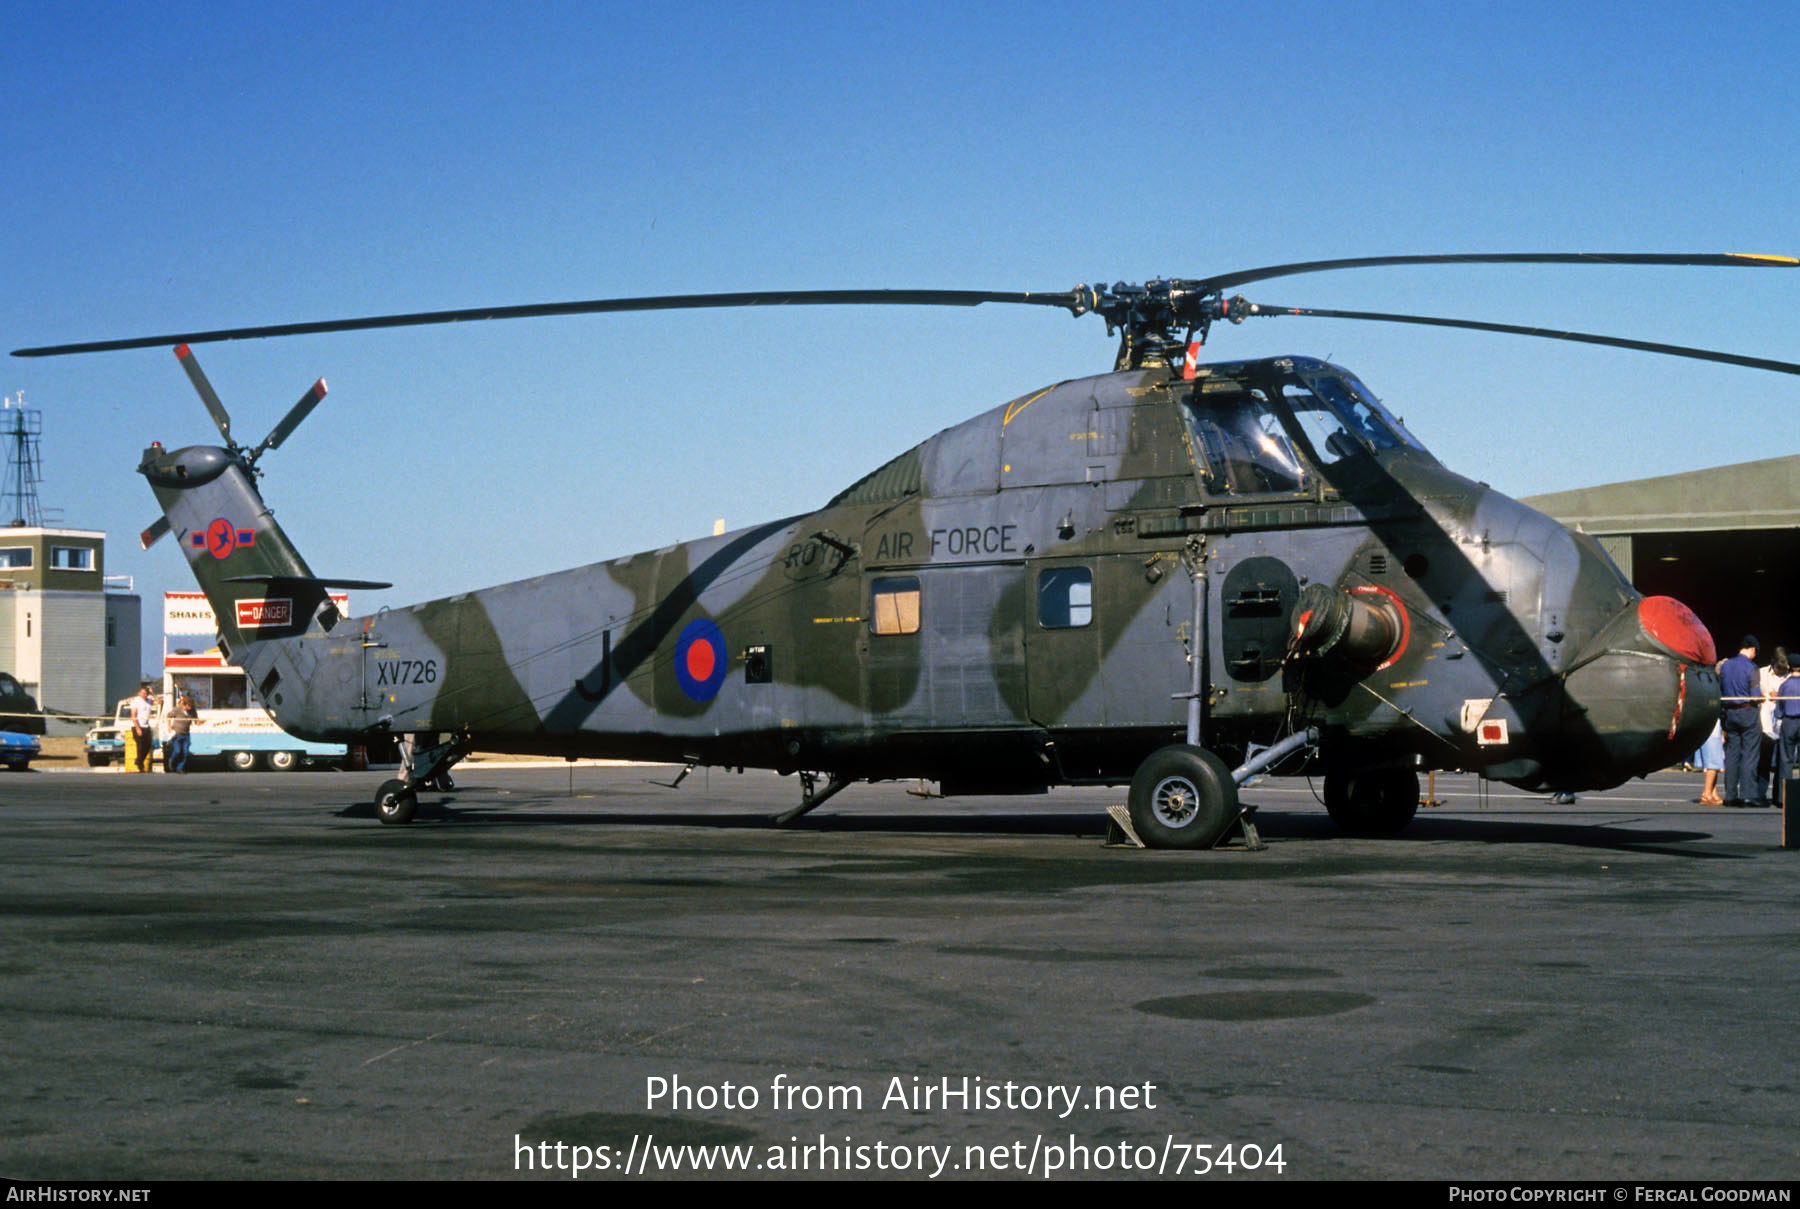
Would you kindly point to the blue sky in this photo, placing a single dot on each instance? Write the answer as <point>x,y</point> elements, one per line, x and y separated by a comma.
<point>181,166</point>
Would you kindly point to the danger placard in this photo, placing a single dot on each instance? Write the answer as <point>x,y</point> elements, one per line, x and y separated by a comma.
<point>254,613</point>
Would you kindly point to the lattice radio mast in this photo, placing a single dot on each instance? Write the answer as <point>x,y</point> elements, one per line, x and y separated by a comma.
<point>20,427</point>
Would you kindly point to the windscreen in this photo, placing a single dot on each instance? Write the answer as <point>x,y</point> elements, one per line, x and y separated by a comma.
<point>1341,417</point>
<point>1252,428</point>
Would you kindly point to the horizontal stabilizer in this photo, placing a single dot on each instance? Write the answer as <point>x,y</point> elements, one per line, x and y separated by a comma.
<point>367,585</point>
<point>154,532</point>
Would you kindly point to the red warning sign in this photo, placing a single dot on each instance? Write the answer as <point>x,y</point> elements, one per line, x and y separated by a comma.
<point>254,613</point>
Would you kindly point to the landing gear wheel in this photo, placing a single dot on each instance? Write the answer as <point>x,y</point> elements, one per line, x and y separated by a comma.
<point>241,761</point>
<point>395,802</point>
<point>1377,801</point>
<point>1182,797</point>
<point>284,761</point>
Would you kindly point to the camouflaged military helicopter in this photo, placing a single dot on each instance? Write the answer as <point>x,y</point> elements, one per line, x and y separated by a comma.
<point>1174,575</point>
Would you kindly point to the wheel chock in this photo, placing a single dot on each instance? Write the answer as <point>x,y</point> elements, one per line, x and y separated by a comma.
<point>1251,840</point>
<point>1121,834</point>
<point>1119,831</point>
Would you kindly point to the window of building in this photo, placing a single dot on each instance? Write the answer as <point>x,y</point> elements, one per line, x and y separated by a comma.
<point>1065,598</point>
<point>894,605</point>
<point>15,556</point>
<point>72,558</point>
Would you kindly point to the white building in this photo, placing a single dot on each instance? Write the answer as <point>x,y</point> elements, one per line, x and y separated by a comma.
<point>70,641</point>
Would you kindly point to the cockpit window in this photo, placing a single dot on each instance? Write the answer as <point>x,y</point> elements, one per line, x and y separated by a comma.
<point>1241,445</point>
<point>1342,418</point>
<point>1278,427</point>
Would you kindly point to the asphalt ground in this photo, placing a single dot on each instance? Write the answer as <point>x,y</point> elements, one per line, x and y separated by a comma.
<point>245,976</point>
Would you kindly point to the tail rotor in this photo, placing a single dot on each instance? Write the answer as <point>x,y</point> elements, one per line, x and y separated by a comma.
<point>159,528</point>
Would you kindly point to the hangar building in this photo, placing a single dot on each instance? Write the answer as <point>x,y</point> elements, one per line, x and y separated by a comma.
<point>1725,541</point>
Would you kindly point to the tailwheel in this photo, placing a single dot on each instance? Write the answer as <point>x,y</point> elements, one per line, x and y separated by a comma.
<point>395,802</point>
<point>1374,801</point>
<point>1183,797</point>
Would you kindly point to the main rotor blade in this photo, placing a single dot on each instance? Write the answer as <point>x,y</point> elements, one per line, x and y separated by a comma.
<point>208,396</point>
<point>291,421</point>
<point>1643,346</point>
<point>1226,281</point>
<point>664,302</point>
<point>1075,301</point>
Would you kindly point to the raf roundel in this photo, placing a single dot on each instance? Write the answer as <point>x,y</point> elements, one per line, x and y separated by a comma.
<point>700,659</point>
<point>221,537</point>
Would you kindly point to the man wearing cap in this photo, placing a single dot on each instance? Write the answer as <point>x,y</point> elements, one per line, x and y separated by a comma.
<point>1740,693</point>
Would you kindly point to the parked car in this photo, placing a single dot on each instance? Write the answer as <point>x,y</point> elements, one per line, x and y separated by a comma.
<point>104,744</point>
<point>19,710</point>
<point>17,750</point>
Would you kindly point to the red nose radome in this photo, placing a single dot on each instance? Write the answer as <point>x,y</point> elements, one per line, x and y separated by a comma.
<point>1674,625</point>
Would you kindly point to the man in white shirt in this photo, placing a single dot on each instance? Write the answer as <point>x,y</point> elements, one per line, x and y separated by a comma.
<point>141,714</point>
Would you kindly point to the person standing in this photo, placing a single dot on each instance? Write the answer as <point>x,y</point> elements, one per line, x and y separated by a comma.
<point>141,715</point>
<point>181,721</point>
<point>1787,718</point>
<point>1768,782</point>
<point>1740,698</point>
<point>1710,759</point>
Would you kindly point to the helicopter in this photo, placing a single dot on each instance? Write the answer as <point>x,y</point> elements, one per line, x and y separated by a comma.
<point>1174,575</point>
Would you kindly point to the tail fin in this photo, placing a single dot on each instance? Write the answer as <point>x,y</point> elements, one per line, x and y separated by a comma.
<point>257,583</point>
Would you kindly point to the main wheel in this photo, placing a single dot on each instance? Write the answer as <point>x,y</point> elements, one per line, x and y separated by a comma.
<point>284,761</point>
<point>1376,801</point>
<point>241,761</point>
<point>1182,797</point>
<point>395,802</point>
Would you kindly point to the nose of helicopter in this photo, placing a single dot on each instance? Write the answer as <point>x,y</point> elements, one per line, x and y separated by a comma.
<point>1641,695</point>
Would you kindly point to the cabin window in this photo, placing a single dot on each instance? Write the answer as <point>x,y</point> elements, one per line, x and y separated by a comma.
<point>15,556</point>
<point>894,605</point>
<point>72,558</point>
<point>1065,598</point>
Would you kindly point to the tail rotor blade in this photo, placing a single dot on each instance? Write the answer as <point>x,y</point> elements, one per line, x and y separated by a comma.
<point>154,532</point>
<point>208,396</point>
<point>291,421</point>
